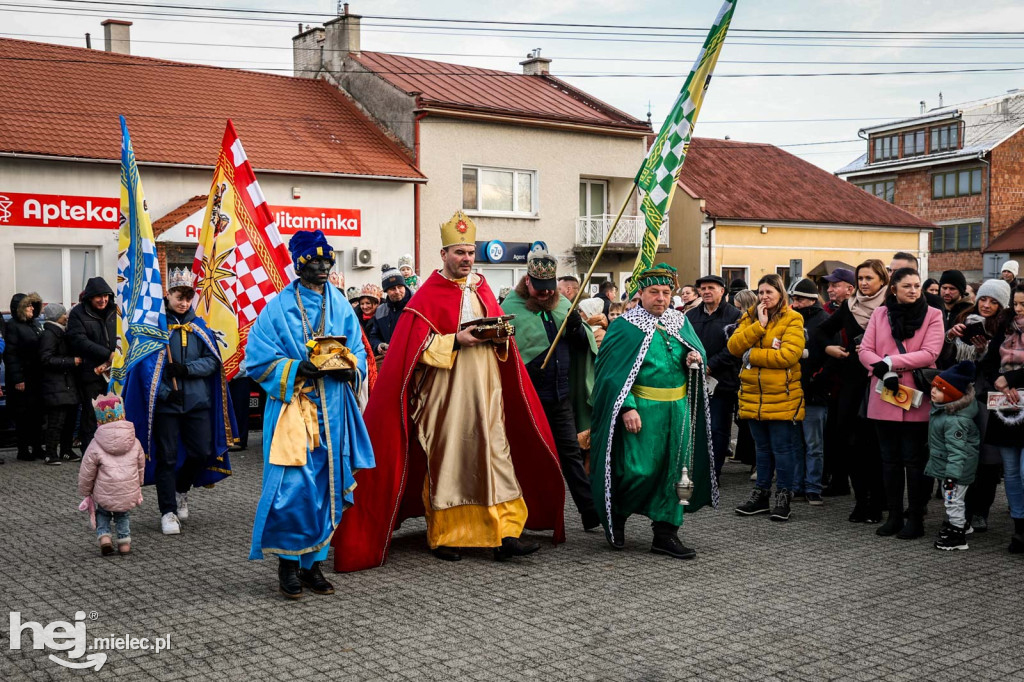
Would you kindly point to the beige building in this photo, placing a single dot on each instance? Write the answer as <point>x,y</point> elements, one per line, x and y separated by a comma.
<point>529,157</point>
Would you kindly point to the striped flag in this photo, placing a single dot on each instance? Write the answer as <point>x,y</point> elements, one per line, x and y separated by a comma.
<point>241,261</point>
<point>141,322</point>
<point>660,170</point>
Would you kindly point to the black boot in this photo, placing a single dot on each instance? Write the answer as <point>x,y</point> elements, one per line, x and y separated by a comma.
<point>757,504</point>
<point>618,529</point>
<point>892,525</point>
<point>314,579</point>
<point>666,541</point>
<point>780,509</point>
<point>590,520</point>
<point>446,553</point>
<point>288,582</point>
<point>859,513</point>
<point>1017,540</point>
<point>513,547</point>
<point>913,528</point>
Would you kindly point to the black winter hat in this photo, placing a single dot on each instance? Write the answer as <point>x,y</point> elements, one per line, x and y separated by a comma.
<point>390,277</point>
<point>804,288</point>
<point>954,381</point>
<point>955,278</point>
<point>737,285</point>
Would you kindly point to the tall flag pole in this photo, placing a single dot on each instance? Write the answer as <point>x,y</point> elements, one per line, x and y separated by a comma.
<point>660,171</point>
<point>141,322</point>
<point>241,262</point>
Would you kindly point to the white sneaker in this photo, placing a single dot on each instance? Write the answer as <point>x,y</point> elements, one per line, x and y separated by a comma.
<point>182,506</point>
<point>169,524</point>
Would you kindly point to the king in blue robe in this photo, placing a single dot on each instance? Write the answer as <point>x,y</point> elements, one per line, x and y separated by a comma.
<point>314,438</point>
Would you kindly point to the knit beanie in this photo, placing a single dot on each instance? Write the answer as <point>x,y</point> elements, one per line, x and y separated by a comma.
<point>53,312</point>
<point>955,278</point>
<point>1012,266</point>
<point>993,288</point>
<point>390,277</point>
<point>804,288</point>
<point>954,381</point>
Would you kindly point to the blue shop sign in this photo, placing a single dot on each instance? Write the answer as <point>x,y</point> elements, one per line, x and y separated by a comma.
<point>496,251</point>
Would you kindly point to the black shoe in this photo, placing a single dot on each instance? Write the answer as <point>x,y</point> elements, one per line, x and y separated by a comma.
<point>1017,539</point>
<point>315,580</point>
<point>51,461</point>
<point>859,514</point>
<point>951,538</point>
<point>979,523</point>
<point>892,525</point>
<point>873,515</point>
<point>590,520</point>
<point>780,508</point>
<point>835,491</point>
<point>618,528</point>
<point>798,497</point>
<point>513,547</point>
<point>671,545</point>
<point>26,456</point>
<point>446,553</point>
<point>757,504</point>
<point>71,457</point>
<point>288,582</point>
<point>814,499</point>
<point>913,528</point>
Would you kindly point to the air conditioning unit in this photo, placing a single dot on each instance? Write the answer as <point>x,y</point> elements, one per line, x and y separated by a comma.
<point>364,258</point>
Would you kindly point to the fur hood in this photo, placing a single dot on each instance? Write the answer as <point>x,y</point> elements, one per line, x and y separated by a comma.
<point>532,304</point>
<point>960,403</point>
<point>21,302</point>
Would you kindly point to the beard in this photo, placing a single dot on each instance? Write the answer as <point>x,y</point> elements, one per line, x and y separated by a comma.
<point>535,305</point>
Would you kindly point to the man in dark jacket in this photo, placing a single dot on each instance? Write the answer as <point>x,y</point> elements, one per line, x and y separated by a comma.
<point>608,294</point>
<point>386,317</point>
<point>710,320</point>
<point>92,336</point>
<point>953,288</point>
<point>59,386</point>
<point>24,374</point>
<point>806,301</point>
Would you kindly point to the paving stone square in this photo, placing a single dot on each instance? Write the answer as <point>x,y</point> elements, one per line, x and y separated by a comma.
<point>817,598</point>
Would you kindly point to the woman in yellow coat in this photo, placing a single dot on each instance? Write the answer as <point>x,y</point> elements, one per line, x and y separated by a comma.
<point>770,339</point>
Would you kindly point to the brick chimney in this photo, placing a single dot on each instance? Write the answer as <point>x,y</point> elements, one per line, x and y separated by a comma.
<point>117,36</point>
<point>341,38</point>
<point>535,65</point>
<point>307,52</point>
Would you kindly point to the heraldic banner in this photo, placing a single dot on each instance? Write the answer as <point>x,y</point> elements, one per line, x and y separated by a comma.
<point>241,261</point>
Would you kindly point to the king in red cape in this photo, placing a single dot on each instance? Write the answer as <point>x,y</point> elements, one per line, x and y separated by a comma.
<point>458,432</point>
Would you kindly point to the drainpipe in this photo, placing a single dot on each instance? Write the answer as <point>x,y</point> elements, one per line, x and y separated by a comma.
<point>711,240</point>
<point>988,207</point>
<point>416,188</point>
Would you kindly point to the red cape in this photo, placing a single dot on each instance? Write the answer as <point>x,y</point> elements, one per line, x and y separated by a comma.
<point>392,491</point>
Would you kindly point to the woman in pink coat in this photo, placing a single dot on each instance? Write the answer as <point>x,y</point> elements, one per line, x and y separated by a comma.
<point>904,320</point>
<point>111,473</point>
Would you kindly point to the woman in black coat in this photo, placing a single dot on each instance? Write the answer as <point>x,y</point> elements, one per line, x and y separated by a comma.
<point>23,374</point>
<point>92,336</point>
<point>60,390</point>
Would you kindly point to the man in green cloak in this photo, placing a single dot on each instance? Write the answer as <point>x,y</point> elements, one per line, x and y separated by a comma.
<point>564,385</point>
<point>651,419</point>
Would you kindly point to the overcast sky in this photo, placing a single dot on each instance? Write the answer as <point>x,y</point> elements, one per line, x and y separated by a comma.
<point>756,109</point>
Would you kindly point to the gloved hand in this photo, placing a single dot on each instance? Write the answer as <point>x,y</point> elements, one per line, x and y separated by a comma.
<point>176,397</point>
<point>880,369</point>
<point>176,370</point>
<point>949,485</point>
<point>892,382</point>
<point>346,375</point>
<point>574,322</point>
<point>308,369</point>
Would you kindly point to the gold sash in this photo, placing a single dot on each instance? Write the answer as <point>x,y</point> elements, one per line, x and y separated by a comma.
<point>297,431</point>
<point>661,395</point>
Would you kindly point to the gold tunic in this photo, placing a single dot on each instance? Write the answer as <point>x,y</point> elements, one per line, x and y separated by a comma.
<point>471,495</point>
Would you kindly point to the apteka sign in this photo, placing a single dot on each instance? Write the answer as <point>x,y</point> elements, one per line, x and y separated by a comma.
<point>58,210</point>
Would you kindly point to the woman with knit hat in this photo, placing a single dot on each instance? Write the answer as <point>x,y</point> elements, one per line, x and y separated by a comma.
<point>59,386</point>
<point>903,335</point>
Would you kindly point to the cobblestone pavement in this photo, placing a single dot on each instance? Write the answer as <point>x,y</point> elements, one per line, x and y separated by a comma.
<point>815,598</point>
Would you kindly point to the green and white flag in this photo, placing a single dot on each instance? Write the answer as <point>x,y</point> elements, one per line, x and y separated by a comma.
<point>660,171</point>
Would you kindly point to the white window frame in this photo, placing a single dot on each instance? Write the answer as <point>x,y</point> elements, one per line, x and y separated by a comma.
<point>595,181</point>
<point>534,187</point>
<point>69,297</point>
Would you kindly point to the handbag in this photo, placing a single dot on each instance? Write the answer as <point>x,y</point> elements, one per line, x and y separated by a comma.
<point>922,376</point>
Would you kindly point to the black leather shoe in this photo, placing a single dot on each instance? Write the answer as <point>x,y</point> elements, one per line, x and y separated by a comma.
<point>618,527</point>
<point>288,582</point>
<point>513,547</point>
<point>892,525</point>
<point>912,529</point>
<point>672,546</point>
<point>446,553</point>
<point>590,520</point>
<point>315,580</point>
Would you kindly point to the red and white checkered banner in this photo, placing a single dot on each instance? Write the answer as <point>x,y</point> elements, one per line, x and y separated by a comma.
<point>241,261</point>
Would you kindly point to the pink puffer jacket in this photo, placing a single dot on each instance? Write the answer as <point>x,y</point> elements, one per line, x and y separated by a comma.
<point>113,468</point>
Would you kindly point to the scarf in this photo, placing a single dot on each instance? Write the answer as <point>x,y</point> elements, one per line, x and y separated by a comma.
<point>1011,353</point>
<point>905,318</point>
<point>862,306</point>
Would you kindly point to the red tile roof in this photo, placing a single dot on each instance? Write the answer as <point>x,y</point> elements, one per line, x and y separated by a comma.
<point>470,88</point>
<point>751,181</point>
<point>64,101</point>
<point>1011,240</point>
<point>175,216</point>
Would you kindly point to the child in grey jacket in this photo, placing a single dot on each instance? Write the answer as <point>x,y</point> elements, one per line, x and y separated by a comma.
<point>954,444</point>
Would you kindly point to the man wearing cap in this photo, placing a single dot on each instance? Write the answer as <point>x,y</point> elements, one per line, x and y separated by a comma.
<point>650,426</point>
<point>842,283</point>
<point>1009,272</point>
<point>386,318</point>
<point>805,300</point>
<point>314,439</point>
<point>952,288</point>
<point>458,431</point>
<point>563,386</point>
<point>711,321</point>
<point>182,392</point>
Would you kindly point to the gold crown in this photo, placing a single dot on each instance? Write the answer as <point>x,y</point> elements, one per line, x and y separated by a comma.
<point>459,230</point>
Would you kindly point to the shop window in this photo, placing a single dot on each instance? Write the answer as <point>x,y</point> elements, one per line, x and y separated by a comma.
<point>57,274</point>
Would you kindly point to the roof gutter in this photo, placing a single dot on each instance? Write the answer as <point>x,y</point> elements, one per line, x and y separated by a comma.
<point>539,123</point>
<point>195,166</point>
<point>924,163</point>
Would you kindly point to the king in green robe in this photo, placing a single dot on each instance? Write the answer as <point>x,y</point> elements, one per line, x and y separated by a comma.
<point>638,457</point>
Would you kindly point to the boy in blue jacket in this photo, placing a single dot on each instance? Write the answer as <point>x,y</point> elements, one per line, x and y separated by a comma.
<point>954,443</point>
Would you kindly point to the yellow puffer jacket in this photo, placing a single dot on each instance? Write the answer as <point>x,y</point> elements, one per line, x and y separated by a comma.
<point>770,379</point>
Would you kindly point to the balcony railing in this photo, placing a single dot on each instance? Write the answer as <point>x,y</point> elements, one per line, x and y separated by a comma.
<point>591,231</point>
